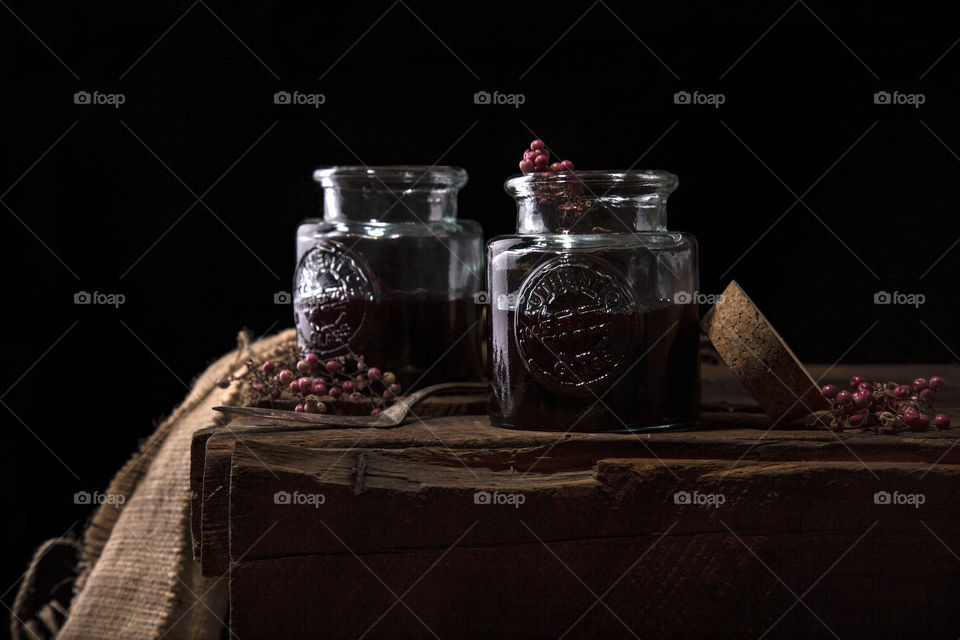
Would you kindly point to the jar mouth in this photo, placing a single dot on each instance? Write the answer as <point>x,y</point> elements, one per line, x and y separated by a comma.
<point>402,176</point>
<point>603,182</point>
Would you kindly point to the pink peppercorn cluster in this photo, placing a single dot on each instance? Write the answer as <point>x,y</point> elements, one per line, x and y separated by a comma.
<point>889,407</point>
<point>564,195</point>
<point>314,384</point>
<point>536,159</point>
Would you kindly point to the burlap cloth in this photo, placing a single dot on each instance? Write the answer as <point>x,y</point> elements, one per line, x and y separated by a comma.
<point>136,578</point>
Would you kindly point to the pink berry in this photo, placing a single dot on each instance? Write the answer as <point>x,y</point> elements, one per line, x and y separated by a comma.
<point>941,420</point>
<point>542,162</point>
<point>305,384</point>
<point>303,367</point>
<point>566,165</point>
<point>530,154</point>
<point>257,386</point>
<point>927,395</point>
<point>920,384</point>
<point>556,167</point>
<point>526,166</point>
<point>362,366</point>
<point>223,383</point>
<point>911,418</point>
<point>373,373</point>
<point>295,386</point>
<point>269,367</point>
<point>844,397</point>
<point>856,380</point>
<point>335,392</point>
<point>862,399</point>
<point>830,391</point>
<point>856,419</point>
<point>374,412</point>
<point>347,386</point>
<point>356,397</point>
<point>936,383</point>
<point>902,391</point>
<point>395,388</point>
<point>285,376</point>
<point>865,386</point>
<point>300,408</point>
<point>924,423</point>
<point>537,144</point>
<point>318,388</point>
<point>333,366</point>
<point>388,394</point>
<point>312,358</point>
<point>275,394</point>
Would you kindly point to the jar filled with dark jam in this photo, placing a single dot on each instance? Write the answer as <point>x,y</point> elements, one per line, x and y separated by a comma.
<point>593,315</point>
<point>390,273</point>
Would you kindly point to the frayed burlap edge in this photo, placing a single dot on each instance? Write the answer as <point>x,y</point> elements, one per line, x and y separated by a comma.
<point>125,482</point>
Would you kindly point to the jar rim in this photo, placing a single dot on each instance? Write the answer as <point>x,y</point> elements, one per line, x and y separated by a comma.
<point>649,180</point>
<point>400,175</point>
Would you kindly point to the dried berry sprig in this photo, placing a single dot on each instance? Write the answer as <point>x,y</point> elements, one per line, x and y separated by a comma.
<point>886,407</point>
<point>314,385</point>
<point>536,159</point>
<point>565,196</point>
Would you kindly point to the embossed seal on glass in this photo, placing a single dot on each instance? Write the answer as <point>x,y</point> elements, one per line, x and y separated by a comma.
<point>335,290</point>
<point>577,323</point>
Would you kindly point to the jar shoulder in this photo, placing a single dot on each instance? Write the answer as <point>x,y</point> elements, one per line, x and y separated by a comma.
<point>444,228</point>
<point>650,240</point>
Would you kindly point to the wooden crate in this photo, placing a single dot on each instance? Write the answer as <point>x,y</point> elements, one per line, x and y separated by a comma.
<point>604,543</point>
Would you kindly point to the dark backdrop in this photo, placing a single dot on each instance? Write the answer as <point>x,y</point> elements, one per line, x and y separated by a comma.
<point>105,199</point>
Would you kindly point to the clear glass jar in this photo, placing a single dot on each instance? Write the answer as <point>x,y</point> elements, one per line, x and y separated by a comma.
<point>390,273</point>
<point>593,317</point>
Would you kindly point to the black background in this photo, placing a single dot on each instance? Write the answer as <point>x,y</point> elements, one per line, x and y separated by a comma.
<point>90,207</point>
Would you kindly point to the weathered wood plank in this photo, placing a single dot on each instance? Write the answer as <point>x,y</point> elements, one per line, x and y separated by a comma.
<point>431,407</point>
<point>212,449</point>
<point>673,570</point>
<point>474,439</point>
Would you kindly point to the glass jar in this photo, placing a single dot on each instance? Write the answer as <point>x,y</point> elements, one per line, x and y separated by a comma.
<point>390,273</point>
<point>593,318</point>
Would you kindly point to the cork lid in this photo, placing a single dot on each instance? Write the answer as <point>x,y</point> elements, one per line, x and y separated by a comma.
<point>760,358</point>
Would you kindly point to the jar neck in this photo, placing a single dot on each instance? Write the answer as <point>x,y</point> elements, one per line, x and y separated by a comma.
<point>395,194</point>
<point>589,202</point>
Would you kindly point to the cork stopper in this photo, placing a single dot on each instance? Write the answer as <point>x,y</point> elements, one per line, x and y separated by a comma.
<point>760,358</point>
